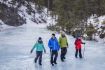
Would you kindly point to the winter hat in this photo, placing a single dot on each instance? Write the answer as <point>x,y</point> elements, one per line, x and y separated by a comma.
<point>62,34</point>
<point>40,40</point>
<point>79,37</point>
<point>53,34</point>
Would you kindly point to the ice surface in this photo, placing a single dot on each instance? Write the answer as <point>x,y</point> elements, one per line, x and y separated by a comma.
<point>16,43</point>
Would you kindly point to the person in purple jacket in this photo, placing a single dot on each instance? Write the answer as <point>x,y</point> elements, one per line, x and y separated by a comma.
<point>54,48</point>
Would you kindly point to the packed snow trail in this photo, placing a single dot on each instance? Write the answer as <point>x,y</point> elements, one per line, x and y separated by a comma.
<point>16,43</point>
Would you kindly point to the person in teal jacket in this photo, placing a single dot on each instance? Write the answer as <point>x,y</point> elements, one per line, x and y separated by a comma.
<point>39,50</point>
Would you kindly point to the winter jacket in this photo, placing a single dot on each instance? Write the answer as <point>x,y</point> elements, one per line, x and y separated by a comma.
<point>63,42</point>
<point>38,46</point>
<point>78,43</point>
<point>53,44</point>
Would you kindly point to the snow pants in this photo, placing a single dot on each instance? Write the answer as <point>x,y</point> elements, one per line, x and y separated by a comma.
<point>76,53</point>
<point>38,56</point>
<point>63,53</point>
<point>54,55</point>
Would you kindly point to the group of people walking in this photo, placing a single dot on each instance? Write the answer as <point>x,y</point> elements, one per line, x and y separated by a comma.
<point>54,46</point>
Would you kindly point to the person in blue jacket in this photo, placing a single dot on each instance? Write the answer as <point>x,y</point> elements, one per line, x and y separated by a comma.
<point>39,50</point>
<point>54,48</point>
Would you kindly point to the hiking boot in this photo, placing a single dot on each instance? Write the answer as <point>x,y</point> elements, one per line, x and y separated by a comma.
<point>64,57</point>
<point>80,57</point>
<point>52,64</point>
<point>55,62</point>
<point>62,60</point>
<point>40,64</point>
<point>35,61</point>
<point>76,57</point>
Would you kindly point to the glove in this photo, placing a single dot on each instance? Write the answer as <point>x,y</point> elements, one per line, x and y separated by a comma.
<point>31,51</point>
<point>44,51</point>
<point>50,47</point>
<point>83,43</point>
<point>67,45</point>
